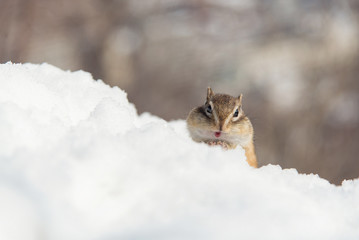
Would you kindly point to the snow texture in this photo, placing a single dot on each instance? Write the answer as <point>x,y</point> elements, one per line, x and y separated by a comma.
<point>77,162</point>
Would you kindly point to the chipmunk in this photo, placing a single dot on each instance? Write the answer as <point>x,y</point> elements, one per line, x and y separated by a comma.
<point>221,121</point>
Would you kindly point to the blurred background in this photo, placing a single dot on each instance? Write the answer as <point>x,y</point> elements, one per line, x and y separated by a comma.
<point>295,61</point>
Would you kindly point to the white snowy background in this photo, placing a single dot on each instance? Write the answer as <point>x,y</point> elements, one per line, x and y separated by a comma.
<point>77,162</point>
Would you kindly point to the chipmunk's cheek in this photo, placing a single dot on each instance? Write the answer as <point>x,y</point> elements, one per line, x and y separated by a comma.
<point>217,134</point>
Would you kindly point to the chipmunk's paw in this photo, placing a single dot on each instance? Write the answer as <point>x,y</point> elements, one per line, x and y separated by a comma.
<point>224,145</point>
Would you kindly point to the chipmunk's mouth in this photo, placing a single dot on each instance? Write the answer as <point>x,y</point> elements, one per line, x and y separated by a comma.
<point>220,136</point>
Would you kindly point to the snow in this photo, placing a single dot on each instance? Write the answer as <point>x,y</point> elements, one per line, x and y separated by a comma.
<point>77,162</point>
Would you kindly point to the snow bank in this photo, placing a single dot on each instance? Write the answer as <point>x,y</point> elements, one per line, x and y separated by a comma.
<point>77,162</point>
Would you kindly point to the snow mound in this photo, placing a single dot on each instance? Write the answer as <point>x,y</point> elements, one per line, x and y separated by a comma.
<point>77,162</point>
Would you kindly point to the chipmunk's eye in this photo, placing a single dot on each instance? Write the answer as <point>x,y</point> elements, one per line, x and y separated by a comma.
<point>236,113</point>
<point>209,109</point>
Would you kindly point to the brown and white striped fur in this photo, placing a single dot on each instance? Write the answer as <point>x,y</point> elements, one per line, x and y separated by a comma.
<point>221,121</point>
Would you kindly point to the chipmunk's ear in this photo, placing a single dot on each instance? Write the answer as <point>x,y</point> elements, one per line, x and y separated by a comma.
<point>239,99</point>
<point>210,93</point>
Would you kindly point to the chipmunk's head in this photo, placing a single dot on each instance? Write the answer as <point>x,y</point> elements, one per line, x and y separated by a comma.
<point>220,118</point>
<point>223,110</point>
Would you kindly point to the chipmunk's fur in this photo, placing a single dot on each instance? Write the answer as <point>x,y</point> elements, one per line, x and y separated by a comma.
<point>221,121</point>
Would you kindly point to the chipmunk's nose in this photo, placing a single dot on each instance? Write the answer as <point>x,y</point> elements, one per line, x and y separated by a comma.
<point>221,129</point>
